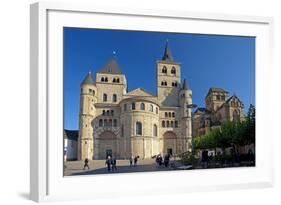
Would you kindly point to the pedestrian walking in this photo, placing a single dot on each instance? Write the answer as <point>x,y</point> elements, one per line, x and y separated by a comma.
<point>136,161</point>
<point>86,161</point>
<point>166,160</point>
<point>108,163</point>
<point>113,163</point>
<point>131,161</point>
<point>160,160</point>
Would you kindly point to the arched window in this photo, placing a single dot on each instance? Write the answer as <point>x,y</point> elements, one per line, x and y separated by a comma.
<point>106,79</point>
<point>165,83</point>
<point>151,108</point>
<point>125,107</point>
<point>176,124</point>
<point>174,84</point>
<point>173,71</point>
<point>114,98</point>
<point>155,130</point>
<point>103,112</point>
<point>112,112</point>
<point>107,112</point>
<point>142,106</point>
<point>156,110</point>
<point>173,114</point>
<point>133,106</point>
<point>114,123</point>
<point>117,80</point>
<point>138,128</point>
<point>110,123</point>
<point>172,123</point>
<point>236,116</point>
<point>167,124</point>
<point>163,123</point>
<point>114,80</point>
<point>100,123</point>
<point>166,114</point>
<point>169,114</point>
<point>102,79</point>
<point>104,97</point>
<point>105,123</point>
<point>164,69</point>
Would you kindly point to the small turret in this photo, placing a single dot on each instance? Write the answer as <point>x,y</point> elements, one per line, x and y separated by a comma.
<point>185,98</point>
<point>88,95</point>
<point>88,98</point>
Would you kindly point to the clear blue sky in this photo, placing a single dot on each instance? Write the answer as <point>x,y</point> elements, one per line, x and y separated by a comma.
<point>206,61</point>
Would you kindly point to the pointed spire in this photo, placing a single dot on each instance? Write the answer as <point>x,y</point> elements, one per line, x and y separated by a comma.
<point>88,79</point>
<point>185,85</point>
<point>167,53</point>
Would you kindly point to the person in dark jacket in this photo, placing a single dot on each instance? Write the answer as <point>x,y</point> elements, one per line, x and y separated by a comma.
<point>167,160</point>
<point>113,163</point>
<point>108,163</point>
<point>131,161</point>
<point>86,164</point>
<point>136,160</point>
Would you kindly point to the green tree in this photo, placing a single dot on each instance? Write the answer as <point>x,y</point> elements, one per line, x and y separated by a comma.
<point>230,134</point>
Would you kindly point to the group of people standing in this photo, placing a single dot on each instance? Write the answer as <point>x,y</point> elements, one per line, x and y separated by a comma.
<point>160,161</point>
<point>134,161</point>
<point>111,164</point>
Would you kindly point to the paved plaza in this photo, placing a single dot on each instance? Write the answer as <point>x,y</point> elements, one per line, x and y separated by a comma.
<point>123,166</point>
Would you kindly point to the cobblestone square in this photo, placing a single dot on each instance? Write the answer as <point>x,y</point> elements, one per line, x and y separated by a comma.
<point>73,168</point>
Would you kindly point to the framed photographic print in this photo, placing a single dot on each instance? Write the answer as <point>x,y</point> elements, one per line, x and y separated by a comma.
<point>154,101</point>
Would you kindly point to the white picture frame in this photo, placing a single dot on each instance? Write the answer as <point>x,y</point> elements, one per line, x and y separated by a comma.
<point>47,182</point>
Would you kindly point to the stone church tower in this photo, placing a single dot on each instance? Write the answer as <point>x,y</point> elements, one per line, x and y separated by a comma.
<point>168,79</point>
<point>88,97</point>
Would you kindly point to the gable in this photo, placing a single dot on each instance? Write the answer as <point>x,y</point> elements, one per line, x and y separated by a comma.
<point>139,92</point>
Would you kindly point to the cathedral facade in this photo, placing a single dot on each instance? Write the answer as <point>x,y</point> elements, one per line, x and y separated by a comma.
<point>115,122</point>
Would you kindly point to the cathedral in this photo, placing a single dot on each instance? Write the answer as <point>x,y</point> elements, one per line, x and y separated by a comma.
<point>120,123</point>
<point>219,109</point>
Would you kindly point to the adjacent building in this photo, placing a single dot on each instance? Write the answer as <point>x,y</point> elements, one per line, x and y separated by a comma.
<point>219,108</point>
<point>70,144</point>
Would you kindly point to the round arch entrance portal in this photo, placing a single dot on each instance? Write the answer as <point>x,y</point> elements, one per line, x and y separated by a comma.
<point>107,142</point>
<point>169,143</point>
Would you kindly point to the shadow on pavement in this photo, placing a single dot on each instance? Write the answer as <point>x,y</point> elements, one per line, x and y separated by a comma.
<point>124,169</point>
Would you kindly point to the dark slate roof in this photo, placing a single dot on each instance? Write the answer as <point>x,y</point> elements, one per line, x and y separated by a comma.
<point>185,85</point>
<point>111,67</point>
<point>70,134</point>
<point>216,90</point>
<point>233,96</point>
<point>202,110</point>
<point>167,53</point>
<point>88,79</point>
